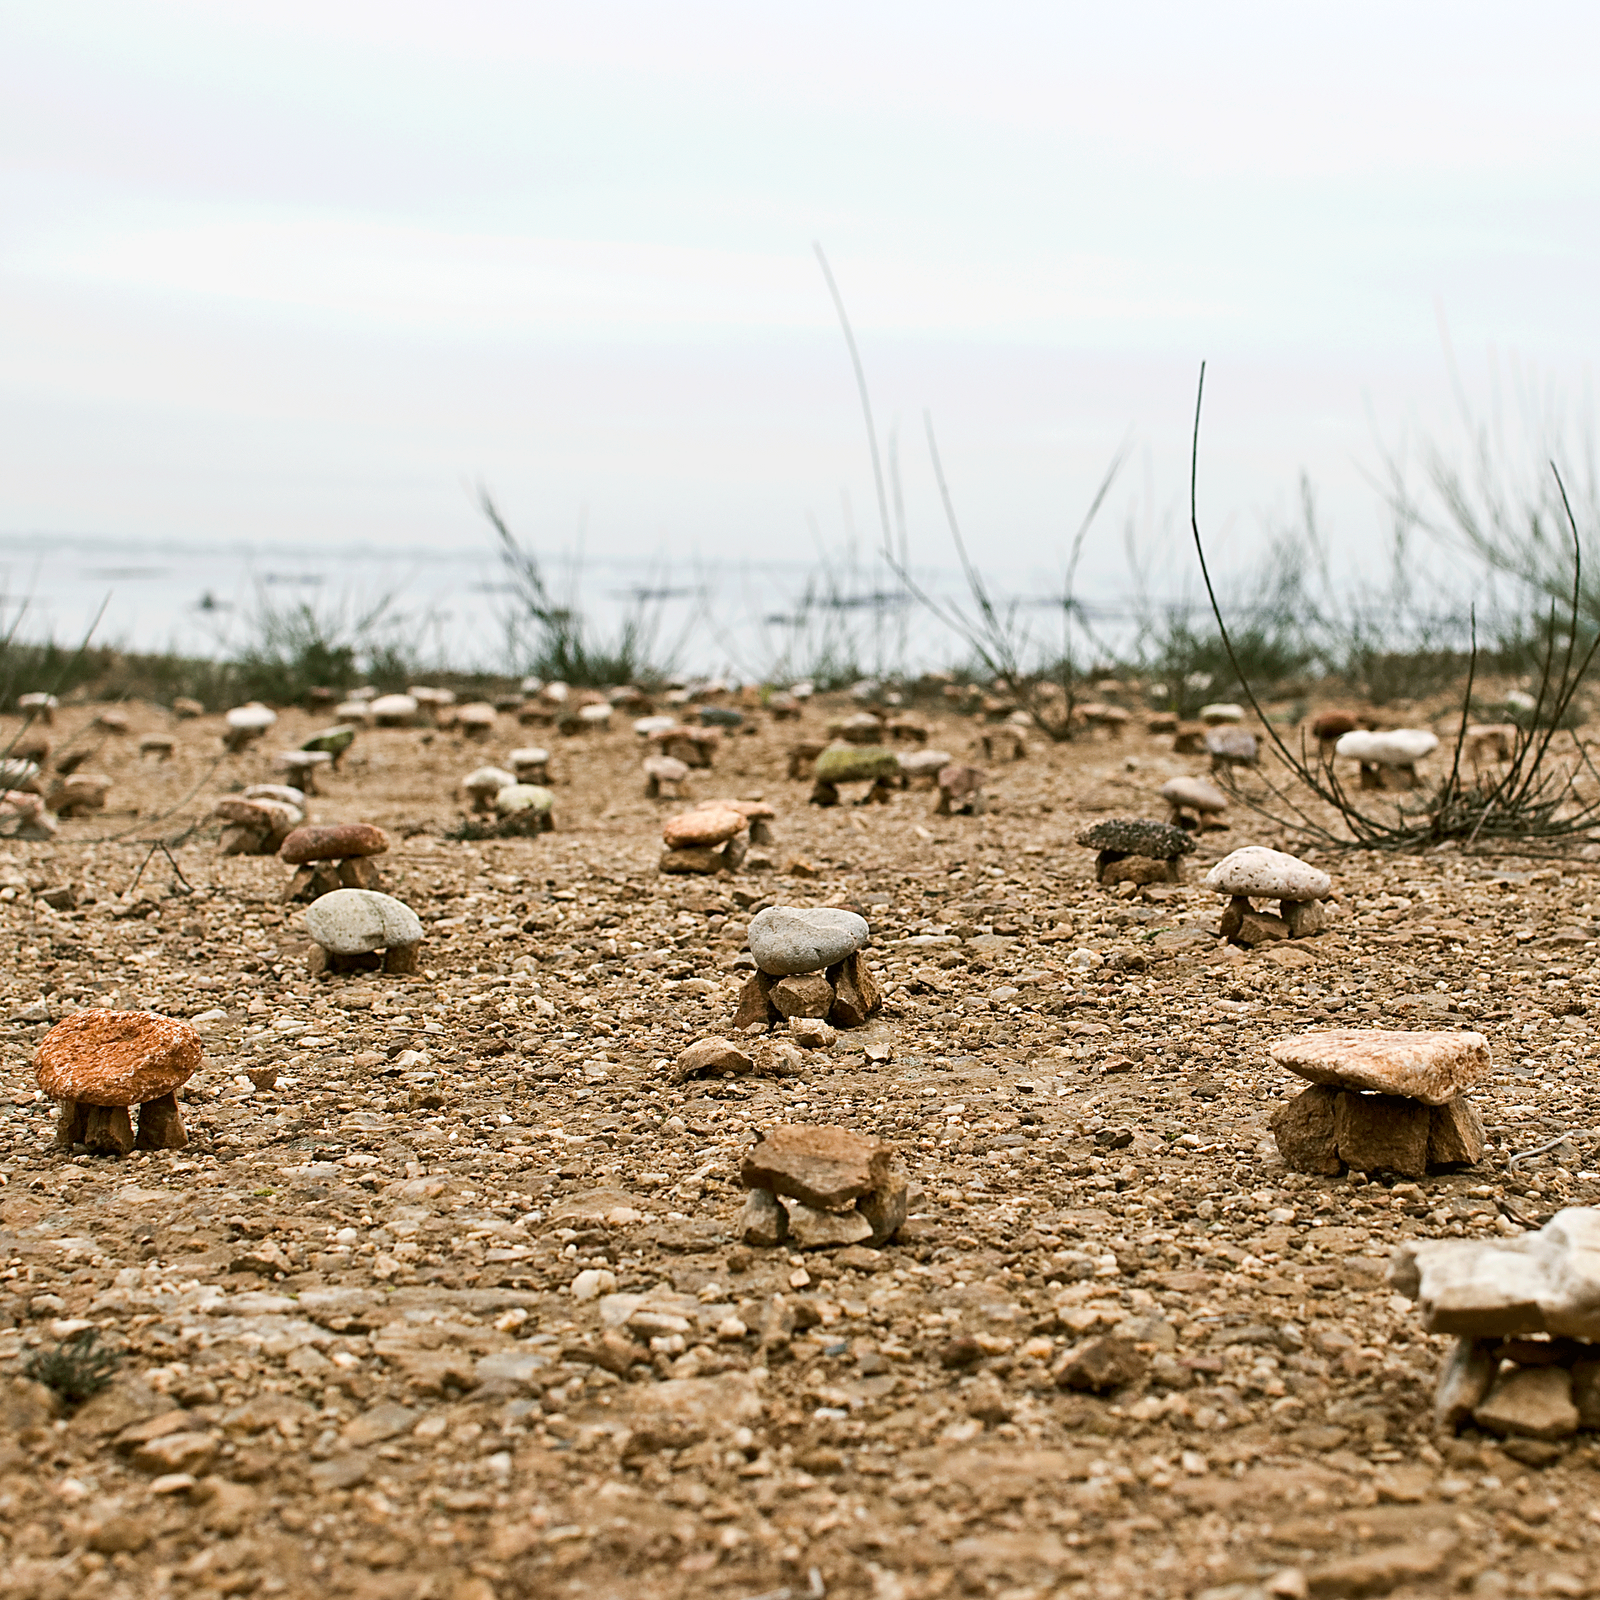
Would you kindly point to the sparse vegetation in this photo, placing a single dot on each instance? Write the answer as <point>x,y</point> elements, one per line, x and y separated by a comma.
<point>76,1369</point>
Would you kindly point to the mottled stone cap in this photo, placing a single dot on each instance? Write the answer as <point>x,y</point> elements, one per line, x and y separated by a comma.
<point>705,825</point>
<point>337,841</point>
<point>1136,836</point>
<point>1268,874</point>
<point>116,1058</point>
<point>1431,1067</point>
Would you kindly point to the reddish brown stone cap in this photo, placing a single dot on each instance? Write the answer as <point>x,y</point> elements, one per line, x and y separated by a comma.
<point>824,1167</point>
<point>116,1058</point>
<point>336,841</point>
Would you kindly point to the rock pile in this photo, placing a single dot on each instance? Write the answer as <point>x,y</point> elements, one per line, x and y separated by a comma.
<point>301,767</point>
<point>1381,1101</point>
<point>1134,850</point>
<point>872,764</point>
<point>394,710</point>
<point>1526,1316</point>
<point>351,927</point>
<point>1388,760</point>
<point>809,969</point>
<point>1004,743</point>
<point>333,856</point>
<point>820,1188</point>
<point>79,794</point>
<point>531,763</point>
<point>1257,873</point>
<point>99,1063</point>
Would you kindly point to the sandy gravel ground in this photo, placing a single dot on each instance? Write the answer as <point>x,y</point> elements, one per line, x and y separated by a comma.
<point>353,1361</point>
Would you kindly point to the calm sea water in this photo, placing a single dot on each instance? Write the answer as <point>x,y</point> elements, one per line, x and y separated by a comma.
<point>449,607</point>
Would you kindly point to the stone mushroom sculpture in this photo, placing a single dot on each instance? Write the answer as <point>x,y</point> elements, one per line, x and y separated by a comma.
<point>1257,873</point>
<point>484,784</point>
<point>1195,803</point>
<point>1134,850</point>
<point>960,790</point>
<point>710,838</point>
<point>394,710</point>
<point>300,766</point>
<point>38,707</point>
<point>525,808</point>
<point>1490,741</point>
<point>1231,747</point>
<point>1221,713</point>
<point>1381,1101</point>
<point>664,778</point>
<point>531,763</point>
<point>694,747</point>
<point>158,745</point>
<point>332,856</point>
<point>79,794</point>
<point>24,816</point>
<point>332,742</point>
<point>820,1188</point>
<point>809,967</point>
<point>1329,727</point>
<point>246,724</point>
<point>350,927</point>
<point>921,768</point>
<point>287,793</point>
<point>255,827</point>
<point>875,765</point>
<point>1388,760</point>
<point>476,721</point>
<point>97,1064</point>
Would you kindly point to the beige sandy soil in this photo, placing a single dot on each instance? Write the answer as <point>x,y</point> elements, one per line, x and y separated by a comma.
<point>354,1364</point>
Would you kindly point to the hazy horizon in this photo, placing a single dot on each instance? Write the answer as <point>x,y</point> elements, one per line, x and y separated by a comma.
<point>306,277</point>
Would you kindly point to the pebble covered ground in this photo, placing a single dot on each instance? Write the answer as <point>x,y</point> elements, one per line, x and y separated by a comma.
<point>353,1359</point>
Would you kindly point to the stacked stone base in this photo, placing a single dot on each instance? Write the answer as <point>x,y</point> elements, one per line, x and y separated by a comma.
<point>844,995</point>
<point>109,1130</point>
<point>704,859</point>
<point>1117,866</point>
<point>1532,1392</point>
<point>399,960</point>
<point>317,878</point>
<point>1295,919</point>
<point>1327,1130</point>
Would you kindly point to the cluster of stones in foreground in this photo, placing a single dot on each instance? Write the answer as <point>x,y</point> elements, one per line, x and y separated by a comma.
<point>810,973</point>
<point>1381,1101</point>
<point>1525,1313</point>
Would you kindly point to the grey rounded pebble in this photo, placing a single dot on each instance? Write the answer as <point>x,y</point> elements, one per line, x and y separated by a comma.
<point>788,939</point>
<point>349,922</point>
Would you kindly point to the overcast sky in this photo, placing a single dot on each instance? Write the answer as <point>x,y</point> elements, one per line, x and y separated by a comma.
<point>304,272</point>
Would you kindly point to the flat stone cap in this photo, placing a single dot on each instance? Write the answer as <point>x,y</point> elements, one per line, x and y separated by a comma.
<point>335,841</point>
<point>666,768</point>
<point>1544,1282</point>
<point>488,780</point>
<point>705,825</point>
<point>1195,794</point>
<point>1137,836</point>
<point>1431,1067</point>
<point>819,1166</point>
<point>1398,747</point>
<point>856,763</point>
<point>1269,875</point>
<point>116,1058</point>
